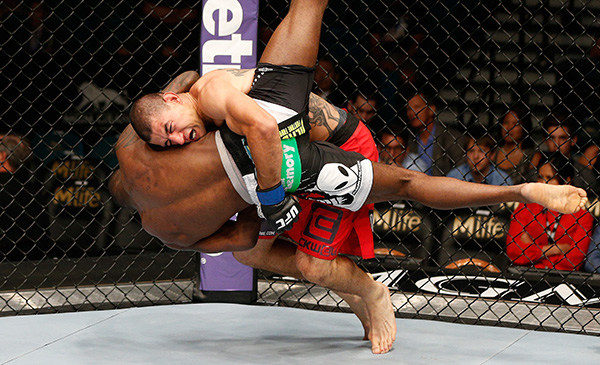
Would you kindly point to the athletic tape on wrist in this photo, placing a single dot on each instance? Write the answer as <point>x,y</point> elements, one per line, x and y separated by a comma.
<point>271,196</point>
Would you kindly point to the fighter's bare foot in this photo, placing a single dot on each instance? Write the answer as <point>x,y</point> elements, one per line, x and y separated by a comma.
<point>359,308</point>
<point>564,199</point>
<point>383,321</point>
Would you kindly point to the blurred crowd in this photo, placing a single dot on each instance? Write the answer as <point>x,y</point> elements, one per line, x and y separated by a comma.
<point>70,70</point>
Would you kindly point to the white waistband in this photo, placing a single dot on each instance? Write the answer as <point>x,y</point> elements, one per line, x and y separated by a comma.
<point>280,113</point>
<point>234,174</point>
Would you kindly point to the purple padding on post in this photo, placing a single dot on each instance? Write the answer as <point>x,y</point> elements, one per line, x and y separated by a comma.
<point>228,40</point>
<point>222,272</point>
<point>228,34</point>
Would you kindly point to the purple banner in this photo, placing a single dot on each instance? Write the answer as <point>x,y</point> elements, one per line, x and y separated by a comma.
<point>222,272</point>
<point>229,33</point>
<point>228,40</point>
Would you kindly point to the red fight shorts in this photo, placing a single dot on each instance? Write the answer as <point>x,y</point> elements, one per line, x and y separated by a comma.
<point>324,231</point>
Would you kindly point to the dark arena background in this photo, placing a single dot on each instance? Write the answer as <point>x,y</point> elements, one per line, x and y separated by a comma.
<point>503,78</point>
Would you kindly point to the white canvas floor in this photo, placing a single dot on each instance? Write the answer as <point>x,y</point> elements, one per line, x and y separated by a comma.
<point>240,334</point>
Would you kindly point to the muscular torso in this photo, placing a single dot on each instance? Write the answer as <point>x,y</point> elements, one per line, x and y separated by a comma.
<point>207,91</point>
<point>182,193</point>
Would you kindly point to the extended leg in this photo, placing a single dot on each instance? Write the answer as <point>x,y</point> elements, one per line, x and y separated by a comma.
<point>395,183</point>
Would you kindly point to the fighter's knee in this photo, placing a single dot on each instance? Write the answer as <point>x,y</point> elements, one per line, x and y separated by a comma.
<point>313,269</point>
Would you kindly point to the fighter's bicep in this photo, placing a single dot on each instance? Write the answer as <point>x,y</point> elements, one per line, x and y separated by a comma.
<point>243,113</point>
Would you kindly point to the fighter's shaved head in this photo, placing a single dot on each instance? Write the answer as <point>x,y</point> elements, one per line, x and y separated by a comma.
<point>143,113</point>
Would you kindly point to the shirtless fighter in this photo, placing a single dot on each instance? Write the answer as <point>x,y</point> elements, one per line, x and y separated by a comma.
<point>183,194</point>
<point>278,90</point>
<point>369,300</point>
<point>283,91</point>
<point>381,338</point>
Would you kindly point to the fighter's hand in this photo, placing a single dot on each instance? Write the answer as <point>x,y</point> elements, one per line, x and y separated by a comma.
<point>281,210</point>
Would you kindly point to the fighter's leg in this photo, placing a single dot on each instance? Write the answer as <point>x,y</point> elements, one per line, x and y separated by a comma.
<point>277,255</point>
<point>343,275</point>
<point>272,255</point>
<point>359,308</point>
<point>296,39</point>
<point>395,183</point>
<point>566,199</point>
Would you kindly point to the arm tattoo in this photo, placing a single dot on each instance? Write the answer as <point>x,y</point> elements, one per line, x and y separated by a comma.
<point>182,82</point>
<point>320,113</point>
<point>238,73</point>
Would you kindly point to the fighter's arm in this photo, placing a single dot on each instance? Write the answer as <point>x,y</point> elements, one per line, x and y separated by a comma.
<point>246,117</point>
<point>323,118</point>
<point>237,235</point>
<point>281,210</point>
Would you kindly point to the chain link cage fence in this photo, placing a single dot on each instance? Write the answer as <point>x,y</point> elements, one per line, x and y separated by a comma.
<point>511,87</point>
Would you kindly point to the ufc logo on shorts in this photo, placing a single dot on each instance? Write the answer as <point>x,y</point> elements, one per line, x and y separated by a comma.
<point>291,214</point>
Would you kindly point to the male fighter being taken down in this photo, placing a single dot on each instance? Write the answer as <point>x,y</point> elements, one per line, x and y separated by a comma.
<point>382,337</point>
<point>183,194</point>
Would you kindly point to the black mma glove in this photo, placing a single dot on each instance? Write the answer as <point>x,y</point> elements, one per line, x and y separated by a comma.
<point>279,209</point>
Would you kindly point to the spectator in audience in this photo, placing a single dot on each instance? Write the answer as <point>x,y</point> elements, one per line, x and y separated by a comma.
<point>516,148</point>
<point>393,145</point>
<point>418,239</point>
<point>327,78</point>
<point>437,147</point>
<point>480,167</point>
<point>592,259</point>
<point>14,153</point>
<point>545,239</point>
<point>560,139</point>
<point>363,106</point>
<point>22,219</point>
<point>589,157</point>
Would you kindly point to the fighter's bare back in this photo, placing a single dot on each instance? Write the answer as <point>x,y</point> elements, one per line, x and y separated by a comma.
<point>182,193</point>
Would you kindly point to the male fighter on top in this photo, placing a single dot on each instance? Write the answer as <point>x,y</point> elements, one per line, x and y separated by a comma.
<point>350,134</point>
<point>172,211</point>
<point>278,92</point>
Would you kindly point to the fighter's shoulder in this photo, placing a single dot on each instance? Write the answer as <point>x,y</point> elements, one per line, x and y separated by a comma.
<point>227,73</point>
<point>127,138</point>
<point>234,72</point>
<point>216,80</point>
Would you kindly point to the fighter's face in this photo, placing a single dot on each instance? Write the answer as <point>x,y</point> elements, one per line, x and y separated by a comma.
<point>175,125</point>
